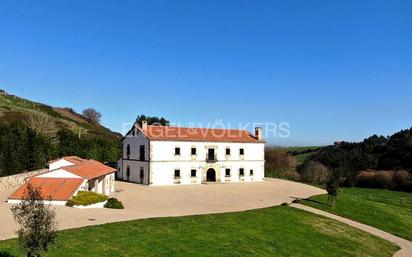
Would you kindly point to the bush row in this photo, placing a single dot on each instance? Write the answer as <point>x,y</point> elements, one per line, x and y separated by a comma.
<point>394,180</point>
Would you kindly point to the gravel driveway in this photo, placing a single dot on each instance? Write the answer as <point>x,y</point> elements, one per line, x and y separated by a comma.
<point>165,201</point>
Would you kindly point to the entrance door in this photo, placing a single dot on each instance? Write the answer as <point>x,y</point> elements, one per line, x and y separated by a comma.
<point>211,175</point>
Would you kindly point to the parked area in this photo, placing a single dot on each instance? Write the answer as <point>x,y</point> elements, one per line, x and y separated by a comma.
<point>141,201</point>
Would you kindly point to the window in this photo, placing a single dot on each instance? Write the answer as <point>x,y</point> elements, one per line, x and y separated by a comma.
<point>177,150</point>
<point>134,132</point>
<point>227,173</point>
<point>193,151</point>
<point>128,151</point>
<point>241,172</point>
<point>193,173</point>
<point>251,173</point>
<point>128,172</point>
<point>227,151</point>
<point>177,173</point>
<point>141,153</point>
<point>141,174</point>
<point>242,151</point>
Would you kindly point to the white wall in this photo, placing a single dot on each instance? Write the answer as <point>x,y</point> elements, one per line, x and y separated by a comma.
<point>164,162</point>
<point>58,164</point>
<point>133,161</point>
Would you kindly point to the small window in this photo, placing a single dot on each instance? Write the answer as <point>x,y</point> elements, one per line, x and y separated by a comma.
<point>228,151</point>
<point>177,173</point>
<point>177,150</point>
<point>241,172</point>
<point>251,173</point>
<point>141,153</point>
<point>193,151</point>
<point>227,173</point>
<point>134,132</point>
<point>141,173</point>
<point>128,151</point>
<point>193,173</point>
<point>242,151</point>
<point>128,172</point>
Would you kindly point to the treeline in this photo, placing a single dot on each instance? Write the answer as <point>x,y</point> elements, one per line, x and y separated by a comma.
<point>385,161</point>
<point>377,162</point>
<point>22,148</point>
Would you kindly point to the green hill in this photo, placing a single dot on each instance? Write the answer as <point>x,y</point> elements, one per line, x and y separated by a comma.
<point>13,108</point>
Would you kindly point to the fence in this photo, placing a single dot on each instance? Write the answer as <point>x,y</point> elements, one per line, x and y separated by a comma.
<point>18,179</point>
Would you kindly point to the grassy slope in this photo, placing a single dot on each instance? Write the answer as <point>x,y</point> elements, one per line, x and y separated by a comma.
<point>276,231</point>
<point>15,109</point>
<point>376,207</point>
<point>301,157</point>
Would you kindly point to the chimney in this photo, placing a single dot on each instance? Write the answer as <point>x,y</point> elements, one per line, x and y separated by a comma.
<point>259,133</point>
<point>144,125</point>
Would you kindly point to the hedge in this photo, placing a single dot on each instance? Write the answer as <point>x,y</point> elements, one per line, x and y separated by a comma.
<point>86,198</point>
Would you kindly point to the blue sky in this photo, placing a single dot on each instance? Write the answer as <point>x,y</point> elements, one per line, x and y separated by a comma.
<point>333,70</point>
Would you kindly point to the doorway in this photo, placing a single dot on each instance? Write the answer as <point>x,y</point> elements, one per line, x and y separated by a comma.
<point>211,175</point>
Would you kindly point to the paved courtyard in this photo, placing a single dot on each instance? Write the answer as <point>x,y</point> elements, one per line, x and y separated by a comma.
<point>148,202</point>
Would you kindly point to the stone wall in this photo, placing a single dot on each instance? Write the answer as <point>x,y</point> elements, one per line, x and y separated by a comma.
<point>18,179</point>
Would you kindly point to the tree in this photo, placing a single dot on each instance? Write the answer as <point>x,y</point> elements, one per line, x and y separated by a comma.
<point>152,120</point>
<point>280,164</point>
<point>332,187</point>
<point>37,223</point>
<point>313,172</point>
<point>43,124</point>
<point>92,115</point>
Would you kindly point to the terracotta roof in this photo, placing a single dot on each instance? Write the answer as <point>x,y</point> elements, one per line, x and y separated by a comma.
<point>89,169</point>
<point>168,133</point>
<point>72,159</point>
<point>57,189</point>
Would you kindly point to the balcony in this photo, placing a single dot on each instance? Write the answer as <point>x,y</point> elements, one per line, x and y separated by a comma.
<point>210,158</point>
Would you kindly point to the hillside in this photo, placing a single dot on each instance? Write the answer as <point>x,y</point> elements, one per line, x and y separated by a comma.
<point>13,108</point>
<point>301,153</point>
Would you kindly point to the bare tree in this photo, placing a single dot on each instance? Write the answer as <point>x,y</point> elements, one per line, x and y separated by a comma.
<point>43,124</point>
<point>280,164</point>
<point>37,223</point>
<point>92,115</point>
<point>314,172</point>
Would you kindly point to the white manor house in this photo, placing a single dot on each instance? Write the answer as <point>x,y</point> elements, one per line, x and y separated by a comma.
<point>166,155</point>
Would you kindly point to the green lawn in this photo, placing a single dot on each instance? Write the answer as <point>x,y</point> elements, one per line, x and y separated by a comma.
<point>275,231</point>
<point>376,207</point>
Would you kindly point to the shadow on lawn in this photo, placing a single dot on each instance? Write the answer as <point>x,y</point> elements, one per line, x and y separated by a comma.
<point>297,200</point>
<point>5,254</point>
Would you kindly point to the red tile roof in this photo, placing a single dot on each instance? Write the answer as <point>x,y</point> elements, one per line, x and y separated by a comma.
<point>56,189</point>
<point>89,169</point>
<point>168,133</point>
<point>72,159</point>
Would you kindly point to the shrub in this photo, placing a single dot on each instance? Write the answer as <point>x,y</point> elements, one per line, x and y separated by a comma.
<point>395,180</point>
<point>113,203</point>
<point>86,198</point>
<point>280,164</point>
<point>296,201</point>
<point>284,204</point>
<point>313,172</point>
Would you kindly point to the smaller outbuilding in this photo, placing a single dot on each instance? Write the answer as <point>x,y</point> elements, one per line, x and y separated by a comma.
<point>66,177</point>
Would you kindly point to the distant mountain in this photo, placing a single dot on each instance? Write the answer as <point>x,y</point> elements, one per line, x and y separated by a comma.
<point>13,108</point>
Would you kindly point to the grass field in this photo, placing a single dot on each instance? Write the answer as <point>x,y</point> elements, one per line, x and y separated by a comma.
<point>275,231</point>
<point>375,207</point>
<point>302,157</point>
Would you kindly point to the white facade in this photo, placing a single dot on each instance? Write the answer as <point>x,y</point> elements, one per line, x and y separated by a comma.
<point>160,163</point>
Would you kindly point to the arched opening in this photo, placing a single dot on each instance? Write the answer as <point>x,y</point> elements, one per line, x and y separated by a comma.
<point>211,175</point>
